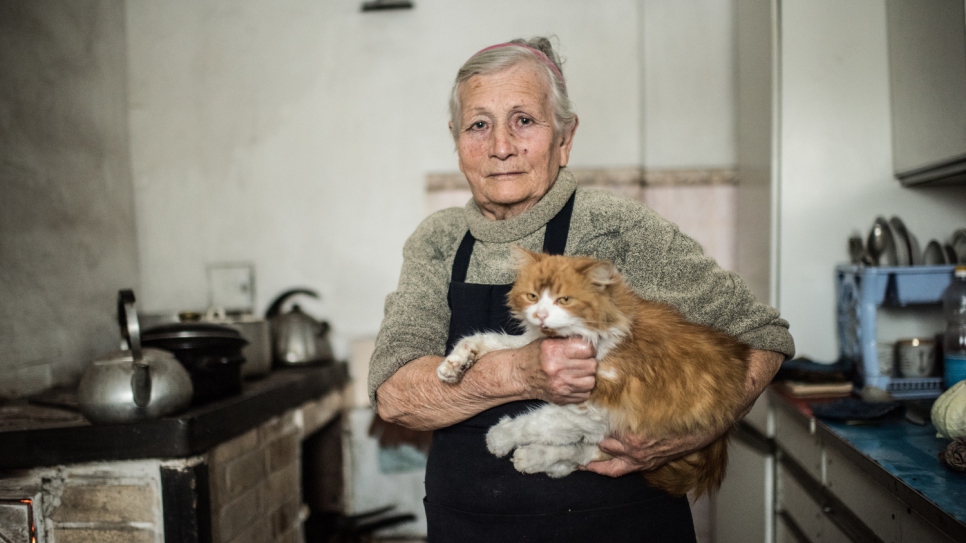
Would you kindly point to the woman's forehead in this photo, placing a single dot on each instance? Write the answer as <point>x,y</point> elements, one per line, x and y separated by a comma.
<point>520,85</point>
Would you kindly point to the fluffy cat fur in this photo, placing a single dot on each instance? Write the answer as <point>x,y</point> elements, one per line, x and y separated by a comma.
<point>658,375</point>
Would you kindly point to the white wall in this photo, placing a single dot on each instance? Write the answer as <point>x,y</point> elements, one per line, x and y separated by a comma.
<point>689,84</point>
<point>835,172</point>
<point>297,134</point>
<point>67,241</point>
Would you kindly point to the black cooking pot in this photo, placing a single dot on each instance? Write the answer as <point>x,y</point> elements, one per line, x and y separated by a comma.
<point>211,353</point>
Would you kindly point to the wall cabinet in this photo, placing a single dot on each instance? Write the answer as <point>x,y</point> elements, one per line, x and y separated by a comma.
<point>927,73</point>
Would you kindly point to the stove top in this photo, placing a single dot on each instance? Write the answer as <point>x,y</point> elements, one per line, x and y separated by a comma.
<point>48,430</point>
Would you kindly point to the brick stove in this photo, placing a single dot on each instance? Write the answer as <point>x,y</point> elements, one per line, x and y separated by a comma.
<point>233,471</point>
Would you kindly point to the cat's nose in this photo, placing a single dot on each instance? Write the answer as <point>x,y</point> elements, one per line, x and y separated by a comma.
<point>541,314</point>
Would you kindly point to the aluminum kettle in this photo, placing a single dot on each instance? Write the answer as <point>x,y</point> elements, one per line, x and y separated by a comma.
<point>297,338</point>
<point>133,384</point>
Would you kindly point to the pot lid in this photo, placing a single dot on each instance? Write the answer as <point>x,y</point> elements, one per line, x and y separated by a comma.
<point>190,330</point>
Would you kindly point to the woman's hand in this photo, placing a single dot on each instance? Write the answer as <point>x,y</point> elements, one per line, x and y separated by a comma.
<point>559,370</point>
<point>637,453</point>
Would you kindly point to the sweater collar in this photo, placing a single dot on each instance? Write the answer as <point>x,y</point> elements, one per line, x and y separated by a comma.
<point>526,223</point>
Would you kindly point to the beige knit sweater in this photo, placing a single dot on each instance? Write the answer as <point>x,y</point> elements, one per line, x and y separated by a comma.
<point>655,258</point>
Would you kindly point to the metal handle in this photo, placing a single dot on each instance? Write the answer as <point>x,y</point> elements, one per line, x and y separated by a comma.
<point>131,329</point>
<point>128,319</point>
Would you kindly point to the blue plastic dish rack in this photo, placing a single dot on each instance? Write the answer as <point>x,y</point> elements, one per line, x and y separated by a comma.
<point>861,290</point>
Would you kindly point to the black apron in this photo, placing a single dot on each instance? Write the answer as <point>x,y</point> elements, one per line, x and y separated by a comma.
<point>473,496</point>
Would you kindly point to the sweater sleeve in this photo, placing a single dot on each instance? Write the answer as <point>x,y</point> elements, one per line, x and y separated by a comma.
<point>675,270</point>
<point>664,264</point>
<point>416,317</point>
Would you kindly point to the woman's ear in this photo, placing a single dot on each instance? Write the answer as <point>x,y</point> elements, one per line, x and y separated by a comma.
<point>567,142</point>
<point>522,257</point>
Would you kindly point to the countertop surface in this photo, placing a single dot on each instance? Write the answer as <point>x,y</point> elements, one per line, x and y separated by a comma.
<point>902,457</point>
<point>46,435</point>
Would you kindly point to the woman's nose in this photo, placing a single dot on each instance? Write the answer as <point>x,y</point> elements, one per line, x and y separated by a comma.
<point>502,143</point>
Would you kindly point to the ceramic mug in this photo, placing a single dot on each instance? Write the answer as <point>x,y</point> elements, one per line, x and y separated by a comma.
<point>917,357</point>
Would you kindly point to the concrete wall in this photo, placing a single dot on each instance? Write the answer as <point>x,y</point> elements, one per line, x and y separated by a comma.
<point>67,241</point>
<point>297,135</point>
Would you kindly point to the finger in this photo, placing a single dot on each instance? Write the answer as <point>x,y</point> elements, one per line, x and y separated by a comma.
<point>582,385</point>
<point>579,348</point>
<point>612,446</point>
<point>570,348</point>
<point>612,468</point>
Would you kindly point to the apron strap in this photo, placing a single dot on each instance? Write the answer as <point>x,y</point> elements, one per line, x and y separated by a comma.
<point>554,241</point>
<point>462,261</point>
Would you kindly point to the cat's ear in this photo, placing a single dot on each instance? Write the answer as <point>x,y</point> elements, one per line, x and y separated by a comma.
<point>522,257</point>
<point>602,273</point>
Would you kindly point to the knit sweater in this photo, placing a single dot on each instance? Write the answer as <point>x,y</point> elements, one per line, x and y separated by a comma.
<point>652,254</point>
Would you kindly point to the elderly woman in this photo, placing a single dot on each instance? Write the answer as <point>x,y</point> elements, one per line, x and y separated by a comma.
<point>514,129</point>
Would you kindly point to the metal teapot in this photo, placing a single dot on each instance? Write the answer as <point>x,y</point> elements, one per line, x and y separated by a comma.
<point>133,384</point>
<point>297,338</point>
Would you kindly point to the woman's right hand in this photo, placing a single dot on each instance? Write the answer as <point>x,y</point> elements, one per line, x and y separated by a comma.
<point>560,370</point>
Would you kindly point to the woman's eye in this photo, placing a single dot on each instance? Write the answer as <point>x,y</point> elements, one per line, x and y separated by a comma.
<point>478,125</point>
<point>525,120</point>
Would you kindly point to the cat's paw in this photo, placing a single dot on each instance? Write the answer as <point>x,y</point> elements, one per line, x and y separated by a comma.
<point>555,461</point>
<point>597,455</point>
<point>454,366</point>
<point>501,438</point>
<point>450,371</point>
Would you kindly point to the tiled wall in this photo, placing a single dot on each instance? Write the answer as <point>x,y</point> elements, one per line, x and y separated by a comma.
<point>701,202</point>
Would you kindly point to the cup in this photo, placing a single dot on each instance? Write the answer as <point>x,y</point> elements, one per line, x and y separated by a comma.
<point>886,353</point>
<point>917,357</point>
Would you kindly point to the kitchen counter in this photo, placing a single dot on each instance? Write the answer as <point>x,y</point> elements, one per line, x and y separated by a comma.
<point>43,435</point>
<point>899,456</point>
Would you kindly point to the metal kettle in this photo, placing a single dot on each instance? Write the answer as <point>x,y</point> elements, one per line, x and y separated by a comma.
<point>133,384</point>
<point>297,338</point>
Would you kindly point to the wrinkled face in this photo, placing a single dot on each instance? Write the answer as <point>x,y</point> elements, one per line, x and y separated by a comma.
<point>507,147</point>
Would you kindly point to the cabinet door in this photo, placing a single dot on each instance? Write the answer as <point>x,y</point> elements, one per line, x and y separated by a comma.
<point>743,505</point>
<point>927,71</point>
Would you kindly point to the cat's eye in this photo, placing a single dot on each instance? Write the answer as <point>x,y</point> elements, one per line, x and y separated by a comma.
<point>563,300</point>
<point>532,297</point>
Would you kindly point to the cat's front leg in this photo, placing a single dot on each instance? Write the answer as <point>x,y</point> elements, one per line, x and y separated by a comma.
<point>550,424</point>
<point>472,348</point>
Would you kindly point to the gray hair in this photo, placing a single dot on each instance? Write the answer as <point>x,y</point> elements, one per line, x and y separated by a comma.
<point>498,59</point>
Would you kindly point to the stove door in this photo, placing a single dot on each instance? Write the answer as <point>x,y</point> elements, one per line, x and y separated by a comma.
<point>17,520</point>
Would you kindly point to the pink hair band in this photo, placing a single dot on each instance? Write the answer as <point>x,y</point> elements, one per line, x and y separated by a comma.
<point>540,55</point>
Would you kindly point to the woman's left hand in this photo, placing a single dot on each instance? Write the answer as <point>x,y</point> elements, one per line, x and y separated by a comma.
<point>639,453</point>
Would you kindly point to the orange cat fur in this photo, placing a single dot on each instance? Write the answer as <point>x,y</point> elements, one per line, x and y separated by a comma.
<point>658,375</point>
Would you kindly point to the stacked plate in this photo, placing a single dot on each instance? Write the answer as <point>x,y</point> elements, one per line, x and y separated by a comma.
<point>890,243</point>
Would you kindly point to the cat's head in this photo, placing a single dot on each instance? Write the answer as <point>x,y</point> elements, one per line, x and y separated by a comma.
<point>563,295</point>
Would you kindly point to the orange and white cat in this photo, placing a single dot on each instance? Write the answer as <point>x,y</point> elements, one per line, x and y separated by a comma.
<point>658,375</point>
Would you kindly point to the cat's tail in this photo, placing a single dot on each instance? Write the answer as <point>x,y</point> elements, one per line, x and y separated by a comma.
<point>702,470</point>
